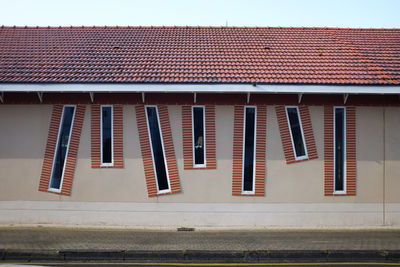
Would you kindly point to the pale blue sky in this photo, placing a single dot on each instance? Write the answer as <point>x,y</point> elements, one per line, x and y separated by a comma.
<point>321,13</point>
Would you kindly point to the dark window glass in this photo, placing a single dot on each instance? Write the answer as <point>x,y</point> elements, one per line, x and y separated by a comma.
<point>62,147</point>
<point>250,117</point>
<point>106,118</point>
<point>158,153</point>
<point>198,129</point>
<point>296,131</point>
<point>339,149</point>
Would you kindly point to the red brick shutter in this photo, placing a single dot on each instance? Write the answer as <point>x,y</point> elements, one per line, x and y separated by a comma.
<point>237,162</point>
<point>287,140</point>
<point>168,149</point>
<point>50,148</point>
<point>146,151</point>
<point>350,151</point>
<point>187,120</point>
<point>308,132</point>
<point>117,136</point>
<point>328,150</point>
<point>261,144</point>
<point>95,136</point>
<point>187,137</point>
<point>210,137</point>
<point>72,150</point>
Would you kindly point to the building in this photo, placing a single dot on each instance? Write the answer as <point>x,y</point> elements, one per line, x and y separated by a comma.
<point>200,126</point>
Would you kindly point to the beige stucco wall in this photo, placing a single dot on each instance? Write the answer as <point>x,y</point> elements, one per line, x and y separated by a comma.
<point>392,135</point>
<point>23,139</point>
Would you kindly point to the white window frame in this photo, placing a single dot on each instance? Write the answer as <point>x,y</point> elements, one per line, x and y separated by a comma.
<point>163,149</point>
<point>56,150</point>
<point>111,164</point>
<point>204,138</point>
<point>339,192</point>
<point>255,149</point>
<point>291,134</point>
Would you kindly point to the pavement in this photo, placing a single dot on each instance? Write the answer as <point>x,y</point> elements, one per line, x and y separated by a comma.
<point>87,244</point>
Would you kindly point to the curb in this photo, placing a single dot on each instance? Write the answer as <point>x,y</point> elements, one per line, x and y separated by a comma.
<point>201,255</point>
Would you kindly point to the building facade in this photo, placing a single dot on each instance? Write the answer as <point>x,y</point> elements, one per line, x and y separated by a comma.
<point>164,127</point>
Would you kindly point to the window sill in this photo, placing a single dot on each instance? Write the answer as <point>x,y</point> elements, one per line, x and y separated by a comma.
<point>248,193</point>
<point>107,166</point>
<point>53,190</point>
<point>340,193</point>
<point>297,160</point>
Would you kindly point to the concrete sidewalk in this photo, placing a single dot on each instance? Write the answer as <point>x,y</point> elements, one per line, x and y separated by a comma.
<point>61,243</point>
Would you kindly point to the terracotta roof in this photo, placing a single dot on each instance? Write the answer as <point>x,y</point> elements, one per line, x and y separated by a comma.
<point>200,54</point>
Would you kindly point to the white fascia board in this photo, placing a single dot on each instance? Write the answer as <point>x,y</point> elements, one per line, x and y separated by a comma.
<point>199,88</point>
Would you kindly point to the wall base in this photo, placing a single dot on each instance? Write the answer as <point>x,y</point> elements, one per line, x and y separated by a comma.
<point>203,215</point>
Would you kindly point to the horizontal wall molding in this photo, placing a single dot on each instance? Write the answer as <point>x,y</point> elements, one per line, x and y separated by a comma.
<point>170,215</point>
<point>198,98</point>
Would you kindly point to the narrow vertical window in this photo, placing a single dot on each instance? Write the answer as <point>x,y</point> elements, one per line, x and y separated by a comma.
<point>249,149</point>
<point>198,136</point>
<point>296,133</point>
<point>106,136</point>
<point>63,140</point>
<point>157,149</point>
<point>339,149</point>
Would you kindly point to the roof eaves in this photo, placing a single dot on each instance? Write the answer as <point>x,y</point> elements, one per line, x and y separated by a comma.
<point>200,88</point>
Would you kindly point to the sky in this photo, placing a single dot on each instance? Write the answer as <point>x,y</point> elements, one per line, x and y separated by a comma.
<point>268,13</point>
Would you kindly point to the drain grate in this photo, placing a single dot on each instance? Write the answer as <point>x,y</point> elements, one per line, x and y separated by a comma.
<point>185,229</point>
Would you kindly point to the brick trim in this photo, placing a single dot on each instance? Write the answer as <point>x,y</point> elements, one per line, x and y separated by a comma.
<point>187,132</point>
<point>308,132</point>
<point>328,150</point>
<point>72,150</point>
<point>187,137</point>
<point>261,143</point>
<point>118,141</point>
<point>95,135</point>
<point>286,138</point>
<point>50,148</point>
<point>146,150</point>
<point>351,153</point>
<point>117,136</point>
<point>237,161</point>
<point>169,149</point>
<point>285,134</point>
<point>229,99</point>
<point>210,137</point>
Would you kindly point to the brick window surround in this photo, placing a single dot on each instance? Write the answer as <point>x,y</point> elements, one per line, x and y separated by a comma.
<point>72,150</point>
<point>210,142</point>
<point>117,136</point>
<point>350,161</point>
<point>286,138</point>
<point>259,160</point>
<point>145,147</point>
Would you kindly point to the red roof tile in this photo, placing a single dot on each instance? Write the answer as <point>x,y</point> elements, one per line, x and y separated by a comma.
<point>200,55</point>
